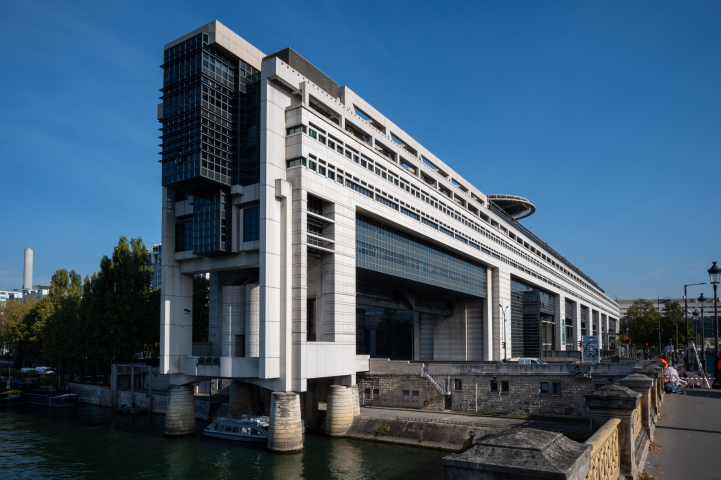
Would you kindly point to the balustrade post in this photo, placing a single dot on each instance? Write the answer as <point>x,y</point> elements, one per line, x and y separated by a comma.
<point>643,385</point>
<point>622,403</point>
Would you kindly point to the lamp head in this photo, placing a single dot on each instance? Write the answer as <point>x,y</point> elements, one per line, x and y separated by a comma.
<point>702,301</point>
<point>714,274</point>
<point>695,314</point>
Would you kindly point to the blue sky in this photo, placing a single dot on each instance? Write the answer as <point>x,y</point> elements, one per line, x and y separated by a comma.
<point>605,114</point>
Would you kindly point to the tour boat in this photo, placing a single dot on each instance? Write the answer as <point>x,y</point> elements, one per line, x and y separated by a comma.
<point>245,428</point>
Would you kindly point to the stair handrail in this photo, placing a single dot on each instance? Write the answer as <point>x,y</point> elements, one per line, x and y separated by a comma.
<point>426,373</point>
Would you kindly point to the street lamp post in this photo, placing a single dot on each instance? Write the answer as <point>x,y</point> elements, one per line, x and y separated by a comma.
<point>714,274</point>
<point>695,319</point>
<point>658,306</point>
<point>685,306</point>
<point>702,324</point>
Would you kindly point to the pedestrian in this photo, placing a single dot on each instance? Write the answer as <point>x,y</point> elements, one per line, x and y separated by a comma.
<point>662,359</point>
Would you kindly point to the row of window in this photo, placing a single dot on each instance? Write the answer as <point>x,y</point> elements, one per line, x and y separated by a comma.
<point>392,178</point>
<point>415,191</point>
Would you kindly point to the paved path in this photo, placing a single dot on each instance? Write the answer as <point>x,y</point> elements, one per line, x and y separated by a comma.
<point>689,433</point>
<point>574,429</point>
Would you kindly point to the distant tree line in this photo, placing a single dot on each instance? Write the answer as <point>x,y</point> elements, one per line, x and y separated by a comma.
<point>641,322</point>
<point>85,325</point>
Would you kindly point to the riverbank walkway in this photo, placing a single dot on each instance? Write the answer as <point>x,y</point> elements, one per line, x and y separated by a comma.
<point>689,434</point>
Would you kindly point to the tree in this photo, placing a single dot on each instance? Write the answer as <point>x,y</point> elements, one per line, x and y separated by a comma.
<point>642,322</point>
<point>28,334</point>
<point>201,311</point>
<point>672,316</point>
<point>11,312</point>
<point>62,328</point>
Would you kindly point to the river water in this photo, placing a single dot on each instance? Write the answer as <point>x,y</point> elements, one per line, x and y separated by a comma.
<point>88,441</point>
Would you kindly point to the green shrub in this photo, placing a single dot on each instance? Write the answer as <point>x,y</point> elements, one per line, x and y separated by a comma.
<point>382,430</point>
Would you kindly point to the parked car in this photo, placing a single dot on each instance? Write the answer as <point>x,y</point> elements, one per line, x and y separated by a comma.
<point>528,361</point>
<point>40,370</point>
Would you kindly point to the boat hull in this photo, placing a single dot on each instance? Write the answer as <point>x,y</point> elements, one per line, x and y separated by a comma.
<point>237,438</point>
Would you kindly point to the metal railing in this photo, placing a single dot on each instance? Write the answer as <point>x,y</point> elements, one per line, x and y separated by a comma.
<point>426,373</point>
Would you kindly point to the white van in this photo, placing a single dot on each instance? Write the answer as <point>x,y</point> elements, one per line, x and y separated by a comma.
<point>40,370</point>
<point>528,361</point>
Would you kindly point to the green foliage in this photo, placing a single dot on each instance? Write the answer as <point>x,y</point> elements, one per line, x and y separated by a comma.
<point>11,312</point>
<point>382,430</point>
<point>28,333</point>
<point>642,319</point>
<point>201,310</point>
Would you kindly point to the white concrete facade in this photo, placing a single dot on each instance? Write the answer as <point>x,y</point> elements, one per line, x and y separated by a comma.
<point>364,148</point>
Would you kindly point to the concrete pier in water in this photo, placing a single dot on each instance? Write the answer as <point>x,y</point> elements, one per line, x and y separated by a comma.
<point>180,416</point>
<point>285,432</point>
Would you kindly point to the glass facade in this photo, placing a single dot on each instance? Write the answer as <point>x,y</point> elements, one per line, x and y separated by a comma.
<point>384,332</point>
<point>211,224</point>
<point>251,224</point>
<point>533,332</point>
<point>387,250</point>
<point>570,340</point>
<point>184,236</point>
<point>210,135</point>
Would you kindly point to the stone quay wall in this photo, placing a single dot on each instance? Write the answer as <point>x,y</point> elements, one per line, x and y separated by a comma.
<point>472,387</point>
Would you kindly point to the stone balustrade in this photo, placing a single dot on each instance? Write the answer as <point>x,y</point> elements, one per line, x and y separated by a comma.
<point>605,456</point>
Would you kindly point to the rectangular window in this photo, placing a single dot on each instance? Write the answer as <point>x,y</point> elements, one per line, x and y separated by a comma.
<point>358,188</point>
<point>331,144</point>
<point>504,386</point>
<point>355,158</point>
<point>429,223</point>
<point>251,224</point>
<point>446,231</point>
<point>494,385</point>
<point>295,162</point>
<point>405,395</point>
<point>367,395</point>
<point>544,388</point>
<point>296,129</point>
<point>556,388</point>
<point>387,203</point>
<point>458,384</point>
<point>410,214</point>
<point>313,133</point>
<point>310,327</point>
<point>321,139</point>
<point>347,154</point>
<point>364,164</point>
<point>415,395</point>
<point>321,170</point>
<point>240,345</point>
<point>331,175</point>
<point>376,394</point>
<point>312,165</point>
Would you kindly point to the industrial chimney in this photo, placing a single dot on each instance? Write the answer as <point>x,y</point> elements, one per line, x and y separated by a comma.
<point>28,270</point>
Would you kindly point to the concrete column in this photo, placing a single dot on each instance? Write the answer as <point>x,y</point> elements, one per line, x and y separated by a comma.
<point>356,400</point>
<point>643,385</point>
<point>619,402</point>
<point>501,290</point>
<point>339,416</point>
<point>488,331</point>
<point>233,324</point>
<point>560,318</point>
<point>180,413</point>
<point>577,324</point>
<point>252,319</point>
<point>285,433</point>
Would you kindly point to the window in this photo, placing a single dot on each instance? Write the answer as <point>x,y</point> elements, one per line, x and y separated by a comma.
<point>410,214</point>
<point>251,224</point>
<point>387,203</point>
<point>458,385</point>
<point>376,394</point>
<point>347,154</point>
<point>544,388</point>
<point>494,385</point>
<point>310,325</point>
<point>367,395</point>
<point>331,144</point>
<point>556,388</point>
<point>331,175</point>
<point>504,386</point>
<point>312,165</point>
<point>313,133</point>
<point>429,223</point>
<point>295,162</point>
<point>321,139</point>
<point>296,129</point>
<point>405,395</point>
<point>415,395</point>
<point>321,170</point>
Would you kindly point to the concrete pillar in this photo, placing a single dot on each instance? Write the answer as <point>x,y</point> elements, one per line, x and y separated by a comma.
<point>180,414</point>
<point>339,416</point>
<point>560,319</point>
<point>356,400</point>
<point>232,321</point>
<point>615,401</point>
<point>240,398</point>
<point>252,319</point>
<point>643,385</point>
<point>285,433</point>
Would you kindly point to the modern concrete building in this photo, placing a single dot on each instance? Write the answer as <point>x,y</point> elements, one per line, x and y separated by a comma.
<point>333,236</point>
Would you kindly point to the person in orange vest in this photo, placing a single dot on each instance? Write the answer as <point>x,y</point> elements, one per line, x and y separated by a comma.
<point>662,359</point>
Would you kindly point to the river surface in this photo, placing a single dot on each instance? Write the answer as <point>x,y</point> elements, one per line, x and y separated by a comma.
<point>88,441</point>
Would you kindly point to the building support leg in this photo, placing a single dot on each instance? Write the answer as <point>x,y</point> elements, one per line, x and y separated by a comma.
<point>339,416</point>
<point>285,434</point>
<point>355,400</point>
<point>180,414</point>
